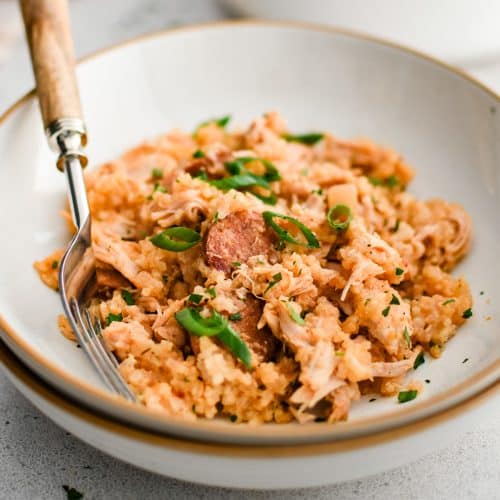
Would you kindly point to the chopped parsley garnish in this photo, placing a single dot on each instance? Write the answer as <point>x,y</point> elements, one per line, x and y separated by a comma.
<point>385,312</point>
<point>419,360</point>
<point>236,264</point>
<point>276,279</point>
<point>128,297</point>
<point>390,182</point>
<point>113,317</point>
<point>407,338</point>
<point>399,271</point>
<point>198,154</point>
<point>317,191</point>
<point>195,298</point>
<point>465,360</point>
<point>405,396</point>
<point>158,188</point>
<point>394,300</point>
<point>212,292</point>
<point>448,301</point>
<point>467,313</point>
<point>294,315</point>
<point>235,316</point>
<point>54,264</point>
<point>309,139</point>
<point>71,493</point>
<point>157,173</point>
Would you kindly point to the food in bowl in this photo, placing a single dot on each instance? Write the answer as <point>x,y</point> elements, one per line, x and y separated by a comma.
<point>267,276</point>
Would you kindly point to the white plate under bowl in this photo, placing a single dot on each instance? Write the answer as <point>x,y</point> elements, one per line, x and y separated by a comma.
<point>446,125</point>
<point>251,467</point>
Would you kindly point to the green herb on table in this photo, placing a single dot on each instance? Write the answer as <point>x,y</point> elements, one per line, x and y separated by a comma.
<point>405,396</point>
<point>71,493</point>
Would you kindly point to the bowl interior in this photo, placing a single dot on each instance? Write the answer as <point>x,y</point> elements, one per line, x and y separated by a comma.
<point>445,125</point>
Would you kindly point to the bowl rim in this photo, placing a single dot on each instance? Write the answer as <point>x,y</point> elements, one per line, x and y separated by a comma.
<point>122,412</point>
<point>27,377</point>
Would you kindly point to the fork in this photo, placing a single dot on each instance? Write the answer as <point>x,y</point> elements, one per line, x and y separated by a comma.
<point>49,38</point>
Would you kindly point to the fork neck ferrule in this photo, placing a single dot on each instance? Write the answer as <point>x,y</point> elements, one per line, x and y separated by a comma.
<point>67,136</point>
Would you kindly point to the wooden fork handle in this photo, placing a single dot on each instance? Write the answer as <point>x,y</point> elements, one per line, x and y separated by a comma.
<point>51,47</point>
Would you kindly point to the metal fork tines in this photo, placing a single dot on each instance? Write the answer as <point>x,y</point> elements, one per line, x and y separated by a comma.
<point>89,335</point>
<point>77,284</point>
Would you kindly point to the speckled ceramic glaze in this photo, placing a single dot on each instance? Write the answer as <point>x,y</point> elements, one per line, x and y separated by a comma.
<point>444,124</point>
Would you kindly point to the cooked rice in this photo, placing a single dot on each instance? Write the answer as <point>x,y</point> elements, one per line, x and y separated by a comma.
<point>351,341</point>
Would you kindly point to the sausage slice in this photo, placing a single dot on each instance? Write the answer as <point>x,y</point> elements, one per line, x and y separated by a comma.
<point>236,238</point>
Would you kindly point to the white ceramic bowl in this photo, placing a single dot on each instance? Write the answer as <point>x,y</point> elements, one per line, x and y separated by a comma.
<point>445,124</point>
<point>462,31</point>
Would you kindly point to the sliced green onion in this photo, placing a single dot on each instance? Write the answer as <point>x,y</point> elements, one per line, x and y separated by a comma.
<point>191,320</point>
<point>308,139</point>
<point>195,298</point>
<point>238,182</point>
<point>220,122</point>
<point>407,338</point>
<point>276,279</point>
<point>394,300</point>
<point>467,313</point>
<point>399,271</point>
<point>215,325</point>
<point>339,217</point>
<point>385,312</point>
<point>176,239</point>
<point>294,315</point>
<point>236,345</point>
<point>113,317</point>
<point>405,396</point>
<point>198,154</point>
<point>212,292</point>
<point>272,199</point>
<point>284,235</point>
<point>128,297</point>
<point>236,264</point>
<point>157,173</point>
<point>391,181</point>
<point>419,360</point>
<point>448,301</point>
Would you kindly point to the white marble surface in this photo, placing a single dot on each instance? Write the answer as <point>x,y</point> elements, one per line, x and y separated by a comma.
<point>37,457</point>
